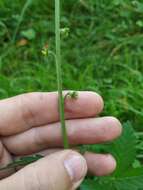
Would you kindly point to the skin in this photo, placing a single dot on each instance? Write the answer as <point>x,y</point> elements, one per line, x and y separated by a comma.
<point>29,124</point>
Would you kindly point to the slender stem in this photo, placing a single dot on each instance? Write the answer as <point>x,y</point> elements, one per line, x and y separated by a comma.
<point>26,5</point>
<point>59,73</point>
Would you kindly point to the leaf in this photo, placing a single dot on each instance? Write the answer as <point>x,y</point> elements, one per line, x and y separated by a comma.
<point>118,2</point>
<point>23,161</point>
<point>30,34</point>
<point>95,185</point>
<point>131,180</point>
<point>124,149</point>
<point>2,29</point>
<point>138,5</point>
<point>139,23</point>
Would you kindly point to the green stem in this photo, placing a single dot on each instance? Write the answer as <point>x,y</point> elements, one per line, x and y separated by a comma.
<point>59,73</point>
<point>26,5</point>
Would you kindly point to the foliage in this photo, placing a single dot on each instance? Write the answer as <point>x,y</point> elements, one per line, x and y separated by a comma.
<point>23,161</point>
<point>126,177</point>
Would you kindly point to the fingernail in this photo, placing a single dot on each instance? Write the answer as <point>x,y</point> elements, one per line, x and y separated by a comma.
<point>76,167</point>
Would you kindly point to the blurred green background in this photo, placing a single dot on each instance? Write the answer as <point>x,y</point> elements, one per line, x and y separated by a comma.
<point>103,53</point>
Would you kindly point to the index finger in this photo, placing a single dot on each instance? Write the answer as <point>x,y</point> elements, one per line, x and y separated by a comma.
<point>20,113</point>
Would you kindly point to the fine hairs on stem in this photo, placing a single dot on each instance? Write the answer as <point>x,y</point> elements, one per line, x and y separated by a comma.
<point>59,73</point>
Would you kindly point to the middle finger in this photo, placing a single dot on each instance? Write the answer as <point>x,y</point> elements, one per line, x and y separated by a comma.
<point>80,131</point>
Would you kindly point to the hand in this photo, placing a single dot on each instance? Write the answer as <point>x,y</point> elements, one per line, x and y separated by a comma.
<point>29,124</point>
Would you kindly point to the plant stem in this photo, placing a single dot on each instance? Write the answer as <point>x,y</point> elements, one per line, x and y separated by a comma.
<point>59,73</point>
<point>26,5</point>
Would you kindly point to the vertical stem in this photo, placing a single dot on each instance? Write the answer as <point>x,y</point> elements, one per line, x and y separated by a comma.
<point>26,5</point>
<point>59,73</point>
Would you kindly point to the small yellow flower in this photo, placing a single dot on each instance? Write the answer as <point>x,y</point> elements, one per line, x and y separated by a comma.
<point>44,50</point>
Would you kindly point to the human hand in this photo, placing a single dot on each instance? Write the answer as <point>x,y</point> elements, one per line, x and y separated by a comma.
<point>29,124</point>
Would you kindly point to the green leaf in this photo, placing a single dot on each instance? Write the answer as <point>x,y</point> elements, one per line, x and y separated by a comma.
<point>118,2</point>
<point>23,161</point>
<point>138,5</point>
<point>2,29</point>
<point>30,34</point>
<point>96,185</point>
<point>124,149</point>
<point>131,180</point>
<point>139,23</point>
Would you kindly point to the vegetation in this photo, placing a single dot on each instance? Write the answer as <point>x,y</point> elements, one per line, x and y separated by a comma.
<point>103,53</point>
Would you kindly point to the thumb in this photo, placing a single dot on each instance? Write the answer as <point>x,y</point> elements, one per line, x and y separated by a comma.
<point>63,170</point>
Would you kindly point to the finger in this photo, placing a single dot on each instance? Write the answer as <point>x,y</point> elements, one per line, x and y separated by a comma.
<point>5,158</point>
<point>60,171</point>
<point>100,164</point>
<point>81,131</point>
<point>25,111</point>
